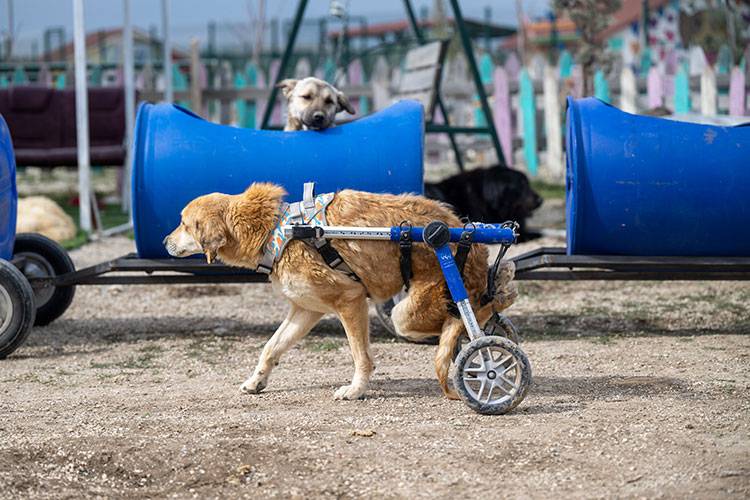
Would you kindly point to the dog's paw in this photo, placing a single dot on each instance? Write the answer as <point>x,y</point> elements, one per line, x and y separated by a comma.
<point>505,273</point>
<point>253,385</point>
<point>349,392</point>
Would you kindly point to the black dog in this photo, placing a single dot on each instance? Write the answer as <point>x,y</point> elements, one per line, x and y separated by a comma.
<point>493,194</point>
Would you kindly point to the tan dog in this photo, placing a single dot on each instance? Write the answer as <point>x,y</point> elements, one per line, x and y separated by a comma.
<point>313,104</point>
<point>235,228</point>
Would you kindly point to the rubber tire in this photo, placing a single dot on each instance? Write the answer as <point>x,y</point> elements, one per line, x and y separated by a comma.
<point>521,359</point>
<point>24,309</point>
<point>59,260</point>
<point>383,312</point>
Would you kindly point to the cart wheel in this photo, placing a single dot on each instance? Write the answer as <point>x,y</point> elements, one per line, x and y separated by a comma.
<point>499,325</point>
<point>492,375</point>
<point>41,257</point>
<point>17,308</point>
<point>502,326</point>
<point>383,312</point>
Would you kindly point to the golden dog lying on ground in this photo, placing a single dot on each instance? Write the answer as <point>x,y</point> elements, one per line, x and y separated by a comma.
<point>236,229</point>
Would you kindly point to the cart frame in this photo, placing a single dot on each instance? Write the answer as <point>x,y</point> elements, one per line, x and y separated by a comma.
<point>543,264</point>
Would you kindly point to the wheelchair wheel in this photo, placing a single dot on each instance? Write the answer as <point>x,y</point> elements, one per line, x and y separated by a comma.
<point>41,257</point>
<point>17,308</point>
<point>492,375</point>
<point>502,326</point>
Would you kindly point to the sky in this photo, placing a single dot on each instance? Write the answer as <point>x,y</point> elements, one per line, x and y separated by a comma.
<point>189,18</point>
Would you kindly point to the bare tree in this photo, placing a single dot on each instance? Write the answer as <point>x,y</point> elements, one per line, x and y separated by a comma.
<point>591,17</point>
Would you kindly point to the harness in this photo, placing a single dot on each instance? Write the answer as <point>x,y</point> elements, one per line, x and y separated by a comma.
<point>310,211</point>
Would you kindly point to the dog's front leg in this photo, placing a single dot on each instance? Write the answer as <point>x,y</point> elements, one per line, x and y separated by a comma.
<point>354,317</point>
<point>297,324</point>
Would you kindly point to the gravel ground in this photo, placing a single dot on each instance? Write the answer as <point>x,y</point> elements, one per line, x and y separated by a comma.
<point>641,390</point>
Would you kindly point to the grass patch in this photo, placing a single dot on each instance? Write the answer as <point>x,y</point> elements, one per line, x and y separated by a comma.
<point>206,350</point>
<point>325,345</point>
<point>111,216</point>
<point>143,361</point>
<point>603,340</point>
<point>549,191</point>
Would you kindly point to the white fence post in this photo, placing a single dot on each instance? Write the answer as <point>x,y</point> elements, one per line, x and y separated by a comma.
<point>629,91</point>
<point>708,91</point>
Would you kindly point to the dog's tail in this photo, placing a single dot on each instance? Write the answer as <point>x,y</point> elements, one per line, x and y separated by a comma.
<point>453,328</point>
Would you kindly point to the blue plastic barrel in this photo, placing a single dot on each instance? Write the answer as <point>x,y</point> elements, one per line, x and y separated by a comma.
<point>8,195</point>
<point>645,186</point>
<point>178,156</point>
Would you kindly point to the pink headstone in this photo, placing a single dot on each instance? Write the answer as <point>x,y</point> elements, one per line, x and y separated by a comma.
<point>502,114</point>
<point>655,88</point>
<point>737,92</point>
<point>119,77</point>
<point>512,66</point>
<point>355,73</point>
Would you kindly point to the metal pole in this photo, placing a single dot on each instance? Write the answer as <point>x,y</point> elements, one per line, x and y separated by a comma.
<point>301,6</point>
<point>128,76</point>
<point>167,57</point>
<point>439,100</point>
<point>11,31</point>
<point>469,51</point>
<point>82,117</point>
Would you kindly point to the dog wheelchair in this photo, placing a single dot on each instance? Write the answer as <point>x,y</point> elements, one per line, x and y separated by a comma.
<point>492,373</point>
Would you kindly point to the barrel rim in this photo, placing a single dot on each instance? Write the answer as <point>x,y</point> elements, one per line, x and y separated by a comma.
<point>6,250</point>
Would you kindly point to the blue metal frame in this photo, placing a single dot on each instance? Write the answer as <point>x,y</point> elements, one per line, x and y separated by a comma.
<point>490,234</point>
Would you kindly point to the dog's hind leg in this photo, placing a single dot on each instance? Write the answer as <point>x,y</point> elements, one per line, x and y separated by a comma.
<point>452,330</point>
<point>355,318</point>
<point>297,324</point>
<point>417,317</point>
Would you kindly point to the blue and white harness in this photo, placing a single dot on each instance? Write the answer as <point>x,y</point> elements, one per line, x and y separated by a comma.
<point>310,211</point>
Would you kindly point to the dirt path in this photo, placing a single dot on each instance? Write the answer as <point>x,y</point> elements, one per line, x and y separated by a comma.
<point>641,389</point>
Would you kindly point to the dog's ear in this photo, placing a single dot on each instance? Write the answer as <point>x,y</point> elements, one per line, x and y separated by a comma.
<point>343,103</point>
<point>287,86</point>
<point>211,235</point>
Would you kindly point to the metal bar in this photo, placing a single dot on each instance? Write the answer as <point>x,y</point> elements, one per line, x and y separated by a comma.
<point>627,263</point>
<point>346,232</point>
<point>438,98</point>
<point>122,228</point>
<point>167,56</point>
<point>469,51</point>
<point>301,6</point>
<point>631,276</point>
<point>82,116</point>
<point>129,80</point>
<point>169,279</point>
<point>442,129</point>
<point>413,21</point>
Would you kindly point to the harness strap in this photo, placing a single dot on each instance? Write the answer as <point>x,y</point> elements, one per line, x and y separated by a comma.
<point>404,259</point>
<point>265,266</point>
<point>308,201</point>
<point>332,257</point>
<point>462,250</point>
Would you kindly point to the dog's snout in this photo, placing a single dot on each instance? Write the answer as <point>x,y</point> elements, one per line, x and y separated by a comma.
<point>318,117</point>
<point>164,241</point>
